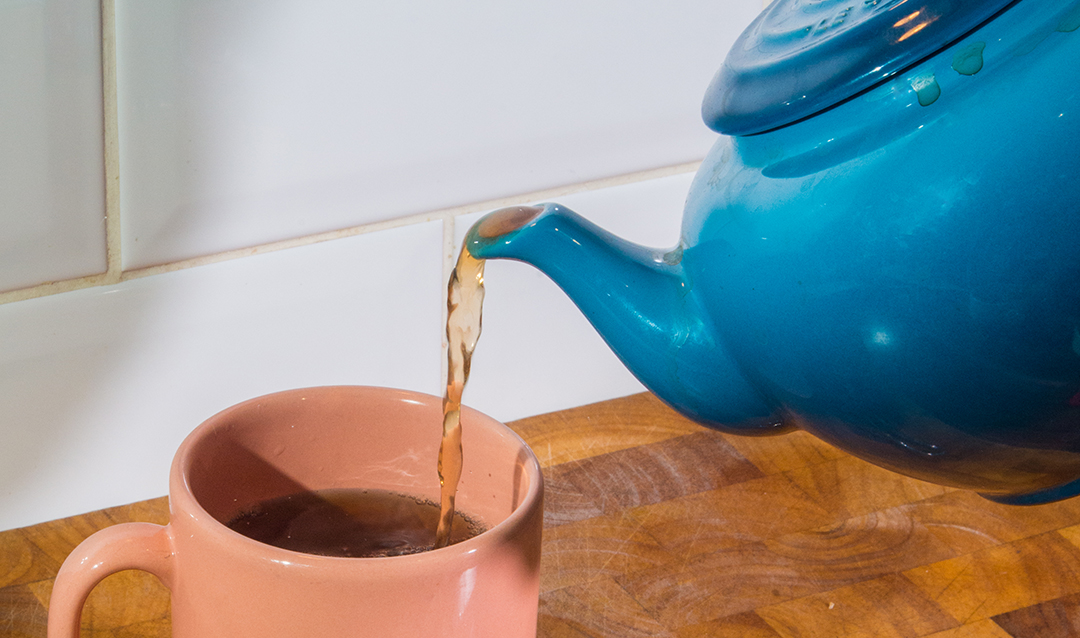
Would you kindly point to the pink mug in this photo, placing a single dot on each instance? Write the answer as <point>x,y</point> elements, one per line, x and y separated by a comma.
<point>224,584</point>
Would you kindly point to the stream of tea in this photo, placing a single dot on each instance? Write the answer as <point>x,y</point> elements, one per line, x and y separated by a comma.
<point>464,306</point>
<point>464,303</point>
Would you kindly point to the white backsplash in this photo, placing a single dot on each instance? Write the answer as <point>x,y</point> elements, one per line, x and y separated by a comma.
<point>52,205</point>
<point>99,386</point>
<point>242,123</point>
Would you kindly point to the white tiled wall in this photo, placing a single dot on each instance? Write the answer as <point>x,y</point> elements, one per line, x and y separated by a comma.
<point>358,140</point>
<point>246,121</point>
<point>51,188</point>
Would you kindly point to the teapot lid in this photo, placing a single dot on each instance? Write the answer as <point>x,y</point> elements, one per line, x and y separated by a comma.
<point>799,57</point>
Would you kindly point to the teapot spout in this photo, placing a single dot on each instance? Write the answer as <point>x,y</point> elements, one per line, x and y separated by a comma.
<point>642,304</point>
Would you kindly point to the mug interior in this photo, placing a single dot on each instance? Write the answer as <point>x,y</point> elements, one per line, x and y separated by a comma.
<point>350,437</point>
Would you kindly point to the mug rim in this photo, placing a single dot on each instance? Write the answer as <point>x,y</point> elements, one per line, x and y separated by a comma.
<point>182,498</point>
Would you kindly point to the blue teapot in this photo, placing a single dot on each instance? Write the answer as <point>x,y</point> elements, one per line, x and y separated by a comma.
<point>883,249</point>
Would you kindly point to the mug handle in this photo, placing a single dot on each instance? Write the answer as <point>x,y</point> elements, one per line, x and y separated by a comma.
<point>142,546</point>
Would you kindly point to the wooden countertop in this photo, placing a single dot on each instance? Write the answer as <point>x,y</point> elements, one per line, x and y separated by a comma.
<point>657,527</point>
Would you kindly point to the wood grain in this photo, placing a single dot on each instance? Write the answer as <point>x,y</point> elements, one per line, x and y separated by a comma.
<point>1002,578</point>
<point>657,527</point>
<point>605,546</point>
<point>745,625</point>
<point>1058,618</point>
<point>609,426</point>
<point>726,517</point>
<point>886,607</point>
<point>658,472</point>
<point>601,608</point>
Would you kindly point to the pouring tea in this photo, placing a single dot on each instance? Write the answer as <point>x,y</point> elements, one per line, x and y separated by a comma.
<point>883,249</point>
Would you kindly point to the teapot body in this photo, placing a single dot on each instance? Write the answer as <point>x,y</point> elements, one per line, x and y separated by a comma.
<point>900,275</point>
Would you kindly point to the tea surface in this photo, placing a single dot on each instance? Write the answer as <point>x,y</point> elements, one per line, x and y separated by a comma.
<point>350,523</point>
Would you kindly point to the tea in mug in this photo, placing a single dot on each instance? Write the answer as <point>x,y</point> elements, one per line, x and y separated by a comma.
<point>354,523</point>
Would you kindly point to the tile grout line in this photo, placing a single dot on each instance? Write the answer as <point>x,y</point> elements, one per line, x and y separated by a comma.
<point>111,149</point>
<point>284,244</point>
<point>111,164</point>
<point>68,285</point>
<point>449,263</point>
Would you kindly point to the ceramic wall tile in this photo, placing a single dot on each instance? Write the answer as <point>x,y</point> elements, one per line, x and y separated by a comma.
<point>538,353</point>
<point>51,167</point>
<point>99,386</point>
<point>243,121</point>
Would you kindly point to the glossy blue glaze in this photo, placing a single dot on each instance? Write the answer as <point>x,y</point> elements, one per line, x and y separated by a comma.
<point>899,275</point>
<point>800,57</point>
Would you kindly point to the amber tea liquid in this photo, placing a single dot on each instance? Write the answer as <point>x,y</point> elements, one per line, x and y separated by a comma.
<point>464,303</point>
<point>353,523</point>
<point>464,306</point>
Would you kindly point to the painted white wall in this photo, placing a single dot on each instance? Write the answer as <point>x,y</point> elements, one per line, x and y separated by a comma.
<point>245,122</point>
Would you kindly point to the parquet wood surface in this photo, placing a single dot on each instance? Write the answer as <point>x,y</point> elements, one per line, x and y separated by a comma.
<point>657,527</point>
